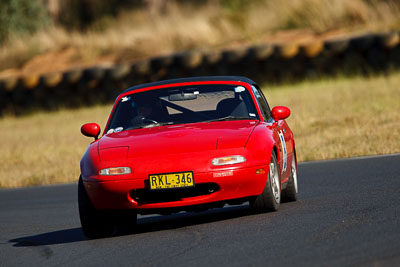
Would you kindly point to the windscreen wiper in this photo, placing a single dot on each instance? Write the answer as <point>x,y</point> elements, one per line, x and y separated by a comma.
<point>231,118</point>
<point>149,125</point>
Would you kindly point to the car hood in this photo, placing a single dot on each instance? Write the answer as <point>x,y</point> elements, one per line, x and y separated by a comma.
<point>175,139</point>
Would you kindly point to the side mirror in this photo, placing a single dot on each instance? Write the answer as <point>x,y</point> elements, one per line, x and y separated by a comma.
<point>91,130</point>
<point>280,113</point>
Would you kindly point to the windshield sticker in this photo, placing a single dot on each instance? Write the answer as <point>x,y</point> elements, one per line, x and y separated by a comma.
<point>118,129</point>
<point>110,131</point>
<point>196,92</point>
<point>240,89</point>
<point>125,98</point>
<point>252,114</point>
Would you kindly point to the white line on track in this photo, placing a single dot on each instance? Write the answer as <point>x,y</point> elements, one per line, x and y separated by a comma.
<point>353,158</point>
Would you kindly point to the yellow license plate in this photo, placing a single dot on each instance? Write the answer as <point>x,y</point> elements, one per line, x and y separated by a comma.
<point>171,180</point>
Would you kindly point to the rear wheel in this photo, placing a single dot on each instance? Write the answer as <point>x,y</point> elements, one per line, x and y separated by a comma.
<point>270,198</point>
<point>95,223</point>
<point>290,193</point>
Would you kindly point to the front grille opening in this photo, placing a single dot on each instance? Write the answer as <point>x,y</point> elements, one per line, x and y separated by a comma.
<point>158,196</point>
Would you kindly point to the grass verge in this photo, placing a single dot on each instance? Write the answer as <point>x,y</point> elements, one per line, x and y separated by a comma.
<point>45,148</point>
<point>333,118</point>
<point>343,117</point>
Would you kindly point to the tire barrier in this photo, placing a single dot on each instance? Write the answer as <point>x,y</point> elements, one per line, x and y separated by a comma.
<point>265,63</point>
<point>312,50</point>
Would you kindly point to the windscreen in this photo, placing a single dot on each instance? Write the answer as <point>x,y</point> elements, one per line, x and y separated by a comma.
<point>181,105</point>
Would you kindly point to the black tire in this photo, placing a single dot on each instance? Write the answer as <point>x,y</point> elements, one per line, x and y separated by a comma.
<point>268,201</point>
<point>125,221</point>
<point>95,224</point>
<point>290,193</point>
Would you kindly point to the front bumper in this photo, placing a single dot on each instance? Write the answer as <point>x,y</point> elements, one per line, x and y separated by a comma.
<point>215,186</point>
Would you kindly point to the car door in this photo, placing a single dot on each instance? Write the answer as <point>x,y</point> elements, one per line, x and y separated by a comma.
<point>286,147</point>
<point>281,133</point>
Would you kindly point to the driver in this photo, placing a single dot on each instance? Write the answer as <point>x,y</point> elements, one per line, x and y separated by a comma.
<point>145,110</point>
<point>143,113</point>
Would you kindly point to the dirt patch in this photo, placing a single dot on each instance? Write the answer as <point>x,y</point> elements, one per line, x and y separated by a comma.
<point>71,58</point>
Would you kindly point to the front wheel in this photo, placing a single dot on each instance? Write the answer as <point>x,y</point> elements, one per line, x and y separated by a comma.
<point>125,221</point>
<point>270,198</point>
<point>95,223</point>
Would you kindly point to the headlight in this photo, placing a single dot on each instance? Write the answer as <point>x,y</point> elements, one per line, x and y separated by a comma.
<point>228,160</point>
<point>115,171</point>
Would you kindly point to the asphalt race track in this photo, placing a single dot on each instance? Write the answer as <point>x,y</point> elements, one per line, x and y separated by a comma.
<point>348,214</point>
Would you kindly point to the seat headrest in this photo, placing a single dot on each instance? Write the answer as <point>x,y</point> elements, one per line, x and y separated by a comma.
<point>232,107</point>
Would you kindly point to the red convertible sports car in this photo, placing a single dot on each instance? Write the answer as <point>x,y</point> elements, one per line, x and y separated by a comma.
<point>185,145</point>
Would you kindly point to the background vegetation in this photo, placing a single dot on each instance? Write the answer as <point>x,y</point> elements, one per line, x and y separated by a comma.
<point>79,33</point>
<point>18,17</point>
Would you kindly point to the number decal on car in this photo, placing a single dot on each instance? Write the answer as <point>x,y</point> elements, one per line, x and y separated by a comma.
<point>283,144</point>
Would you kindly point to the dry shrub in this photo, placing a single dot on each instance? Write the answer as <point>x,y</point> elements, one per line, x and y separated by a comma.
<point>136,34</point>
<point>323,15</point>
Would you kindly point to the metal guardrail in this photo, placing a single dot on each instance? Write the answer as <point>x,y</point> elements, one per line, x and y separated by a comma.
<point>264,63</point>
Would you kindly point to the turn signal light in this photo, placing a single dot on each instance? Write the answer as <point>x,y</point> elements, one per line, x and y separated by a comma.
<point>260,171</point>
<point>115,171</point>
<point>228,160</point>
